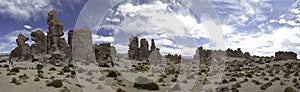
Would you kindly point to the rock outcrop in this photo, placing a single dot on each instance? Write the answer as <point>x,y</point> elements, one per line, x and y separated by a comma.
<point>234,53</point>
<point>22,52</point>
<point>285,55</point>
<point>206,53</point>
<point>155,56</point>
<point>40,45</point>
<point>133,52</point>
<point>202,53</point>
<point>144,49</point>
<point>175,58</point>
<point>70,37</point>
<point>140,53</point>
<point>104,54</point>
<point>82,45</point>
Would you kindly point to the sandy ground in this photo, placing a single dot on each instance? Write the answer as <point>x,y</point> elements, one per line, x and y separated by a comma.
<point>94,83</point>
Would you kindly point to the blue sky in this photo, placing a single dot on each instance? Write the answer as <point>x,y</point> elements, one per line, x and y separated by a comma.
<point>257,26</point>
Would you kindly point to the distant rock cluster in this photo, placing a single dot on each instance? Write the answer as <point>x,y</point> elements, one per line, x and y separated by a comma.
<point>176,58</point>
<point>202,53</point>
<point>140,53</point>
<point>285,55</point>
<point>52,44</point>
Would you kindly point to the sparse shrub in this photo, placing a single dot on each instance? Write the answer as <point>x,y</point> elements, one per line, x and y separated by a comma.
<point>73,72</point>
<point>52,77</point>
<point>266,79</point>
<point>66,69</point>
<point>275,79</point>
<point>294,80</point>
<point>40,72</point>
<point>174,79</point>
<point>41,75</point>
<point>160,80</point>
<point>37,79</point>
<point>57,83</point>
<point>233,89</point>
<point>289,89</point>
<point>52,69</point>
<point>149,86</point>
<point>39,66</point>
<point>24,76</point>
<point>61,72</point>
<point>90,72</point>
<point>237,85</point>
<point>263,87</point>
<point>286,75</point>
<point>282,83</point>
<point>16,70</point>
<point>256,82</point>
<point>232,79</point>
<point>71,65</point>
<point>14,80</point>
<point>206,81</point>
<point>112,74</point>
<point>120,90</point>
<point>6,66</point>
<point>224,81</point>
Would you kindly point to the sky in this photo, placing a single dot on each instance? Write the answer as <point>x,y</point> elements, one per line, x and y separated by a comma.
<point>260,27</point>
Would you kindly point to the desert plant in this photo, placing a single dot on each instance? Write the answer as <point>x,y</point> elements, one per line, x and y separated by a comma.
<point>232,79</point>
<point>289,89</point>
<point>275,79</point>
<point>294,80</point>
<point>6,66</point>
<point>16,70</point>
<point>120,90</point>
<point>224,81</point>
<point>237,85</point>
<point>57,83</point>
<point>40,72</point>
<point>39,66</point>
<point>66,69</point>
<point>149,86</point>
<point>266,79</point>
<point>73,72</point>
<point>52,69</point>
<point>61,72</point>
<point>112,74</point>
<point>174,79</point>
<point>282,83</point>
<point>37,79</point>
<point>71,65</point>
<point>14,80</point>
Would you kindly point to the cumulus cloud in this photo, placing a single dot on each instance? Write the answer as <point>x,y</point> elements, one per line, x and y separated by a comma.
<point>27,26</point>
<point>102,39</point>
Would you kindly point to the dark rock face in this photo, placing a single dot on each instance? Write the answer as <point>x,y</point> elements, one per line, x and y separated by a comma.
<point>22,52</point>
<point>104,54</point>
<point>133,52</point>
<point>40,45</point>
<point>153,47</point>
<point>144,49</point>
<point>285,55</point>
<point>70,37</point>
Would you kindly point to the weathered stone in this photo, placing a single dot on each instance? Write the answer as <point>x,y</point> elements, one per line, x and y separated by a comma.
<point>22,52</point>
<point>55,31</point>
<point>144,49</point>
<point>133,52</point>
<point>234,53</point>
<point>70,37</point>
<point>202,54</point>
<point>175,58</point>
<point>104,53</point>
<point>82,45</point>
<point>153,47</point>
<point>40,45</point>
<point>155,56</point>
<point>285,55</point>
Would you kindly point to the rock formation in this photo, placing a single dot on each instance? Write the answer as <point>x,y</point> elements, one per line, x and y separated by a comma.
<point>202,53</point>
<point>133,52</point>
<point>70,37</point>
<point>205,53</point>
<point>153,47</point>
<point>82,45</point>
<point>176,58</point>
<point>234,53</point>
<point>39,48</point>
<point>285,55</point>
<point>144,49</point>
<point>22,52</point>
<point>104,54</point>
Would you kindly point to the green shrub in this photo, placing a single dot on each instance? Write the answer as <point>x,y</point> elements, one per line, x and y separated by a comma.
<point>149,86</point>
<point>40,72</point>
<point>289,89</point>
<point>232,80</point>
<point>61,72</point>
<point>6,66</point>
<point>14,80</point>
<point>66,69</point>
<point>37,79</point>
<point>57,83</point>
<point>39,66</point>
<point>16,70</point>
<point>73,72</point>
<point>112,74</point>
<point>224,81</point>
<point>71,65</point>
<point>52,69</point>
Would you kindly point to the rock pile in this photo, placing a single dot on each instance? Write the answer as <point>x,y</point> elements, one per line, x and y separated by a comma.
<point>285,55</point>
<point>140,53</point>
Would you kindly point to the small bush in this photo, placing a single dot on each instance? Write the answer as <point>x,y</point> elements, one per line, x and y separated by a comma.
<point>14,80</point>
<point>237,85</point>
<point>149,86</point>
<point>71,65</point>
<point>6,66</point>
<point>40,72</point>
<point>16,70</point>
<point>52,69</point>
<point>294,80</point>
<point>224,81</point>
<point>57,83</point>
<point>37,79</point>
<point>120,90</point>
<point>39,66</point>
<point>52,77</point>
<point>289,89</point>
<point>66,69</point>
<point>73,72</point>
<point>112,74</point>
<point>263,87</point>
<point>61,72</point>
<point>232,80</point>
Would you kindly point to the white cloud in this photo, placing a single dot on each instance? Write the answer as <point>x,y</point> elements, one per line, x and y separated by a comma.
<point>24,9</point>
<point>186,51</point>
<point>27,26</point>
<point>295,11</point>
<point>121,48</point>
<point>100,39</point>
